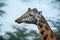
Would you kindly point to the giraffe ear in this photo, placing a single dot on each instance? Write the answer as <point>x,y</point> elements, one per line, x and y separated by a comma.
<point>29,9</point>
<point>35,10</point>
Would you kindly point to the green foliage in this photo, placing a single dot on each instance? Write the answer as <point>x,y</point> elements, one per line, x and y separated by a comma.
<point>22,34</point>
<point>1,37</point>
<point>0,24</point>
<point>57,0</point>
<point>1,13</point>
<point>25,0</point>
<point>58,27</point>
<point>2,4</point>
<point>35,34</point>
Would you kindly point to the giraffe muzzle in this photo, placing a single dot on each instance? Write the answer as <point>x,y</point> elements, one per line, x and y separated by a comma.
<point>18,21</point>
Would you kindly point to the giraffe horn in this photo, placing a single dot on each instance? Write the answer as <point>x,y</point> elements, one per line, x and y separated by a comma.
<point>29,9</point>
<point>35,10</point>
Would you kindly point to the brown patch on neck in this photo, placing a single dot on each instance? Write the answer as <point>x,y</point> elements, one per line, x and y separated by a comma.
<point>51,35</point>
<point>41,26</point>
<point>46,27</point>
<point>45,30</point>
<point>45,37</point>
<point>42,32</point>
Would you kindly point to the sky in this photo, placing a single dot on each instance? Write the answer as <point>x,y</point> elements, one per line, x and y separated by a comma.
<point>16,8</point>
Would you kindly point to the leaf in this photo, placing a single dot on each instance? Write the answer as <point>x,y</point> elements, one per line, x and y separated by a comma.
<point>2,12</point>
<point>2,4</point>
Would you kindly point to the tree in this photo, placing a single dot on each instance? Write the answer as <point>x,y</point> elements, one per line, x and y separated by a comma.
<point>36,35</point>
<point>1,37</point>
<point>22,34</point>
<point>2,4</point>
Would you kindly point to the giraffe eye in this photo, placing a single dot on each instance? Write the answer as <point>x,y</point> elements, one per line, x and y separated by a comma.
<point>30,14</point>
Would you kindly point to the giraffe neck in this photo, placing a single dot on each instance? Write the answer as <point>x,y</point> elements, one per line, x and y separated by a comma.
<point>45,30</point>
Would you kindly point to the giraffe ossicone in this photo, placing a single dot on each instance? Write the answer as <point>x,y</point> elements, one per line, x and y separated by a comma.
<point>33,16</point>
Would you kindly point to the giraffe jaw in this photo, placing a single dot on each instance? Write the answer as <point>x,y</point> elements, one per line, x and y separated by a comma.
<point>18,21</point>
<point>23,21</point>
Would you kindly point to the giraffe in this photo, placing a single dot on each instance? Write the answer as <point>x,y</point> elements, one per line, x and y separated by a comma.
<point>33,16</point>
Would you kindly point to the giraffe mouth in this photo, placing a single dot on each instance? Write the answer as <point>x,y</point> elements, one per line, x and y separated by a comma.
<point>23,21</point>
<point>18,21</point>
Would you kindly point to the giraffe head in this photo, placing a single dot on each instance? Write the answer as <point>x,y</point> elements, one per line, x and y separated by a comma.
<point>30,17</point>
